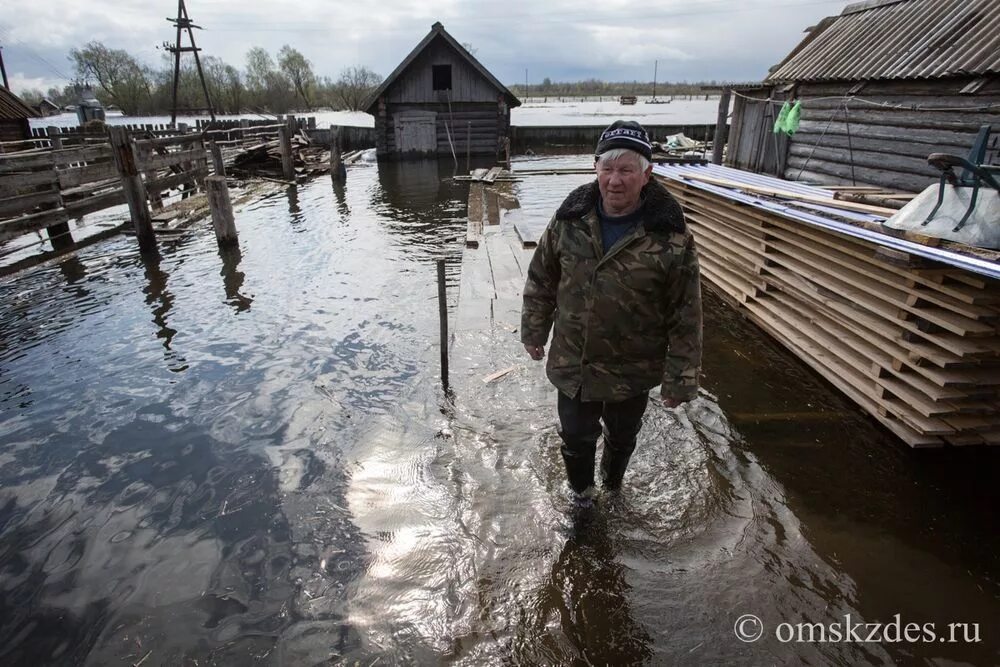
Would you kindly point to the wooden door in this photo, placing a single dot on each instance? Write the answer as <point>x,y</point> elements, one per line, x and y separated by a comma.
<point>416,131</point>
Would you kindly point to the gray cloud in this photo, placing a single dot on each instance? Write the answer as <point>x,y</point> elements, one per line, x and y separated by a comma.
<point>562,39</point>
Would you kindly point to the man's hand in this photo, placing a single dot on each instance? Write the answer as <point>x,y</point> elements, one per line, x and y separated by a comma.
<point>536,352</point>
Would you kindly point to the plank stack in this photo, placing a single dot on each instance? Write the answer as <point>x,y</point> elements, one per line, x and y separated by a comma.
<point>914,342</point>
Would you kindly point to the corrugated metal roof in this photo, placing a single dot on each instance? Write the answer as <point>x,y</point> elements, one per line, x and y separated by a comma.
<point>13,108</point>
<point>899,39</point>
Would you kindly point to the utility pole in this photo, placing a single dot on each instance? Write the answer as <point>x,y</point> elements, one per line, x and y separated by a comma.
<point>526,82</point>
<point>655,64</point>
<point>183,22</point>
<point>3,70</point>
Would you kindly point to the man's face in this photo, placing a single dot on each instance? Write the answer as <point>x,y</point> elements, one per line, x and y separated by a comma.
<point>620,182</point>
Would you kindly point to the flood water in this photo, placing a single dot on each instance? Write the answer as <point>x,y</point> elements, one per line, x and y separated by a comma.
<point>246,458</point>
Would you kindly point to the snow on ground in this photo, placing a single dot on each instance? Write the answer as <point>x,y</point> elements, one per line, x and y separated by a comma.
<point>536,112</point>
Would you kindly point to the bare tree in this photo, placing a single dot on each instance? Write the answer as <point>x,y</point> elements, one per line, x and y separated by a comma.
<point>119,76</point>
<point>355,85</point>
<point>298,69</point>
<point>268,88</point>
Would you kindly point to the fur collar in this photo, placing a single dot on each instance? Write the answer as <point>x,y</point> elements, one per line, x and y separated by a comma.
<point>661,212</point>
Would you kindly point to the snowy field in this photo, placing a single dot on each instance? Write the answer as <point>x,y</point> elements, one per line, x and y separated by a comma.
<point>679,112</point>
<point>536,113</point>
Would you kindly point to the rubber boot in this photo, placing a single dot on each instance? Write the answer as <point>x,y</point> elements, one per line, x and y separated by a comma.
<point>579,469</point>
<point>614,462</point>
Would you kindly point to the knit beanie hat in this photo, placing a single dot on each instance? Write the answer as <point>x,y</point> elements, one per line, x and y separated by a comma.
<point>625,134</point>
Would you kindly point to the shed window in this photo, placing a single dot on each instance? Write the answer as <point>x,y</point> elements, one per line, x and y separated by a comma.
<point>442,77</point>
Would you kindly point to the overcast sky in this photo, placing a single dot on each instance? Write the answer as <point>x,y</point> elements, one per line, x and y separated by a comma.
<point>565,40</point>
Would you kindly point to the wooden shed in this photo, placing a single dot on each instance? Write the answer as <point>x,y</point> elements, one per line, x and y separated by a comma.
<point>440,99</point>
<point>14,115</point>
<point>882,85</point>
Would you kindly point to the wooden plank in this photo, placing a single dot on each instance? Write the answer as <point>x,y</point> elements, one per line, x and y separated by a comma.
<point>172,159</point>
<point>76,176</point>
<point>21,204</point>
<point>784,194</point>
<point>474,229</point>
<point>180,140</point>
<point>831,252</point>
<point>831,280</point>
<point>12,185</point>
<point>829,369</point>
<point>173,180</point>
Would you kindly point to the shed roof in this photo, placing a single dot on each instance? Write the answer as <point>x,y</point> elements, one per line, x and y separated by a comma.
<point>898,39</point>
<point>13,107</point>
<point>437,30</point>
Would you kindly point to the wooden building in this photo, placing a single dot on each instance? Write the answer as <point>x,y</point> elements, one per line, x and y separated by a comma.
<point>440,99</point>
<point>14,115</point>
<point>881,86</point>
<point>48,108</point>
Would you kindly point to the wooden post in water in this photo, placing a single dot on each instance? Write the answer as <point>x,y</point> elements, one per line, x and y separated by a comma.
<point>59,234</point>
<point>222,210</point>
<point>443,314</point>
<point>285,146</point>
<point>135,190</point>
<point>218,164</point>
<point>719,141</point>
<point>338,172</point>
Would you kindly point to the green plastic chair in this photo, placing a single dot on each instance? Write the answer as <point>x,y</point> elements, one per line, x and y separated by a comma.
<point>975,173</point>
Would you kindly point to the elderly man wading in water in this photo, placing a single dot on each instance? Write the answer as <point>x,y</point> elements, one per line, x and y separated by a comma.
<point>616,273</point>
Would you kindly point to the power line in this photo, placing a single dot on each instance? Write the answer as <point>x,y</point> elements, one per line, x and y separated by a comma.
<point>33,54</point>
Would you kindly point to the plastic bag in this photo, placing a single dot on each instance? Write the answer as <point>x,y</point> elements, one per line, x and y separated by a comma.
<point>779,124</point>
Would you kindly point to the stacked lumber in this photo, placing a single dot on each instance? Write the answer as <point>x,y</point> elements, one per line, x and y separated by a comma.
<point>914,342</point>
<point>264,159</point>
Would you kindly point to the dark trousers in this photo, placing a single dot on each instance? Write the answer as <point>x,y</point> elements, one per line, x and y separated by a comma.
<point>580,423</point>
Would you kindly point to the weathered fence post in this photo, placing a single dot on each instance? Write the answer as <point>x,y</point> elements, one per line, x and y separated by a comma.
<point>52,132</point>
<point>217,162</point>
<point>59,234</point>
<point>338,171</point>
<point>222,210</point>
<point>443,315</point>
<point>155,199</point>
<point>135,190</point>
<point>468,147</point>
<point>285,146</point>
<point>719,140</point>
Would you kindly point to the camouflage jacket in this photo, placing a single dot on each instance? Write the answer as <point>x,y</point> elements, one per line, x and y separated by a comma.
<point>626,320</point>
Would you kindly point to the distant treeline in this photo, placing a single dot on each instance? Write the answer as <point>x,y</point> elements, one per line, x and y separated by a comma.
<point>266,84</point>
<point>598,88</point>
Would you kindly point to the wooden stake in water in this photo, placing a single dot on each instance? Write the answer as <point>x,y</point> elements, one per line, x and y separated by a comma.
<point>337,170</point>
<point>443,313</point>
<point>222,210</point>
<point>135,190</point>
<point>285,146</point>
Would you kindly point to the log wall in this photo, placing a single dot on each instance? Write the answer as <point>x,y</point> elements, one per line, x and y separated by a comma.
<point>880,134</point>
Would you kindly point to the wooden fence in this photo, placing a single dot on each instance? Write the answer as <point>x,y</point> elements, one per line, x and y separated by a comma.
<point>61,174</point>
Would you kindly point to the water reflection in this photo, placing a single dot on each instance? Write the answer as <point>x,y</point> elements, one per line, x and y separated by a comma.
<point>294,209</point>
<point>232,278</point>
<point>584,614</point>
<point>153,535</point>
<point>340,194</point>
<point>158,296</point>
<point>73,271</point>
